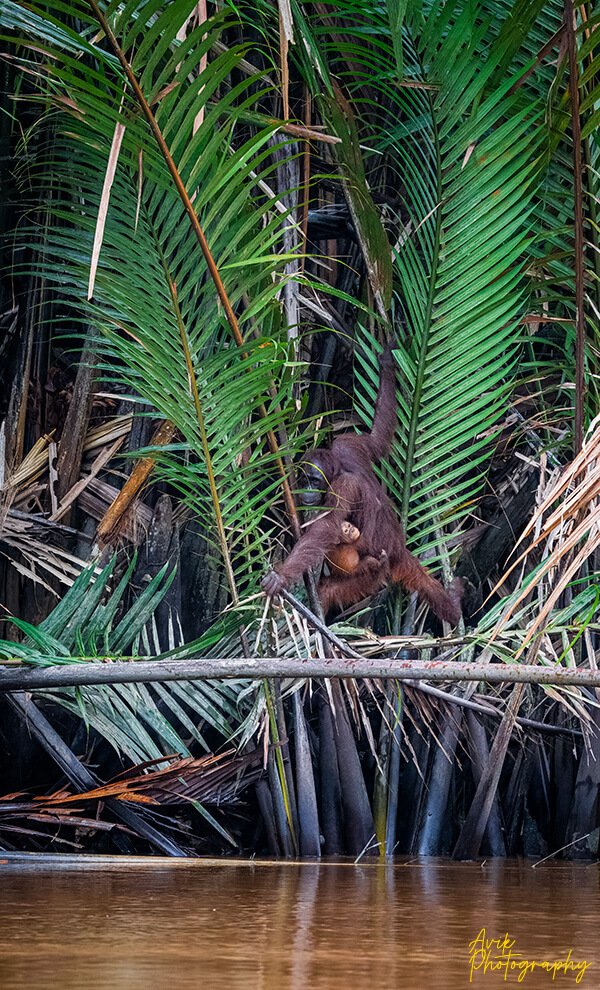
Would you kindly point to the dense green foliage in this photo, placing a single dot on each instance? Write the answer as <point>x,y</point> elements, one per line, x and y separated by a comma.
<point>173,218</point>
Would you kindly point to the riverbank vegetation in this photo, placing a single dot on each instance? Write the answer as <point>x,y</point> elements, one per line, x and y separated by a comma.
<point>214,216</point>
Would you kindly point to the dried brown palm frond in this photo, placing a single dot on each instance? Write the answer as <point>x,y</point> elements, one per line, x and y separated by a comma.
<point>29,538</point>
<point>17,808</point>
<point>103,434</point>
<point>100,495</point>
<point>566,526</point>
<point>24,533</point>
<point>212,780</point>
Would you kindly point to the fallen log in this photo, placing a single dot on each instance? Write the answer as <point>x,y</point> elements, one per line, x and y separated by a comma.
<point>74,673</point>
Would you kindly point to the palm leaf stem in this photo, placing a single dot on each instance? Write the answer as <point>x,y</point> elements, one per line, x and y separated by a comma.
<point>578,228</point>
<point>411,442</point>
<point>204,442</point>
<point>108,526</point>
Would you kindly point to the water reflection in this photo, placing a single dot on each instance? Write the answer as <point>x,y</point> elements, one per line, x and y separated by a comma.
<point>288,926</point>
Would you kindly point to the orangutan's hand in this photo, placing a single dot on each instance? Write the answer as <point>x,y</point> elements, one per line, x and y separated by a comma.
<point>273,583</point>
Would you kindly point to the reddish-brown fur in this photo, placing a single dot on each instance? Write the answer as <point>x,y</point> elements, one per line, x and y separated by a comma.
<point>342,559</point>
<point>345,559</point>
<point>355,495</point>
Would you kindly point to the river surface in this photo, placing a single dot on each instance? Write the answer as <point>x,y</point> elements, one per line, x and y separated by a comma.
<point>89,923</point>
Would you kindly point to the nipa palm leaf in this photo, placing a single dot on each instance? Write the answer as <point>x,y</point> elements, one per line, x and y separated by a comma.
<point>467,155</point>
<point>161,328</point>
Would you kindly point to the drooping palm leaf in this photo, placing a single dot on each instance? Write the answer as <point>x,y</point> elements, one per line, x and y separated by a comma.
<point>162,329</point>
<point>459,273</point>
<point>568,270</point>
<point>467,156</point>
<point>83,625</point>
<point>550,357</point>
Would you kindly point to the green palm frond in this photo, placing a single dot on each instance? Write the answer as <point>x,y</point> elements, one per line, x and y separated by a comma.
<point>555,252</point>
<point>462,134</point>
<point>135,719</point>
<point>161,328</point>
<point>550,354</point>
<point>466,146</point>
<point>471,168</point>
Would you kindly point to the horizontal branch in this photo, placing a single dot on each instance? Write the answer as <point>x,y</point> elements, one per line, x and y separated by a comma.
<point>75,673</point>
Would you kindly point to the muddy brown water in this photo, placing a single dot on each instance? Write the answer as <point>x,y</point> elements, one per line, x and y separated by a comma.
<point>96,924</point>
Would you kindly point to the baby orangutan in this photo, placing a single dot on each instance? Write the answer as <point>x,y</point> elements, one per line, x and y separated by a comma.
<point>345,559</point>
<point>360,535</point>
